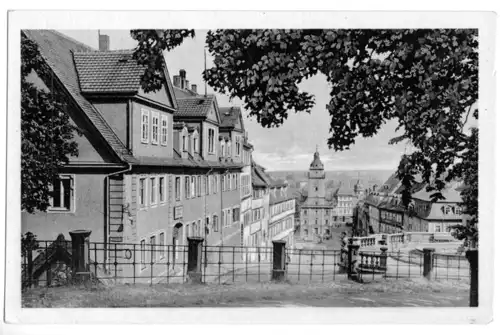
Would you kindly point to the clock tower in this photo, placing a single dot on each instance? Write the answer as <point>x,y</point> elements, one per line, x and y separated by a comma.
<point>316,183</point>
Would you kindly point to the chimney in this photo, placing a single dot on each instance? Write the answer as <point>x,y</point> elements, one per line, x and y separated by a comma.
<point>194,88</point>
<point>182,73</point>
<point>186,85</point>
<point>177,81</point>
<point>103,43</point>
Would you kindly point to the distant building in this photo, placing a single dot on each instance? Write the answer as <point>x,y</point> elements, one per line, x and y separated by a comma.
<point>316,211</point>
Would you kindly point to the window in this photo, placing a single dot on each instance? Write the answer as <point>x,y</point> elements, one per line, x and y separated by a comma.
<point>144,126</point>
<point>236,214</point>
<point>161,188</point>
<point>228,149</point>
<point>62,194</point>
<point>199,186</point>
<point>223,183</point>
<point>187,191</point>
<point>222,148</point>
<point>184,147</point>
<point>142,192</point>
<point>223,219</point>
<point>152,243</point>
<point>164,130</point>
<point>228,218</point>
<point>195,144</point>
<point>178,188</point>
<point>153,191</point>
<point>238,145</point>
<point>211,139</point>
<point>143,254</point>
<point>215,223</point>
<point>193,186</point>
<point>205,180</point>
<point>316,231</point>
<point>188,232</point>
<point>458,211</point>
<point>155,120</point>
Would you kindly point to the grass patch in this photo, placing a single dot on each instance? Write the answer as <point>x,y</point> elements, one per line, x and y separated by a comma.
<point>248,295</point>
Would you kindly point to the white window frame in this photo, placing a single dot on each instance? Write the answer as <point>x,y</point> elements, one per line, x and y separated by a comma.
<point>164,186</point>
<point>164,130</point>
<point>155,116</point>
<point>146,195</point>
<point>72,197</point>
<point>153,195</point>
<point>144,123</point>
<point>211,144</point>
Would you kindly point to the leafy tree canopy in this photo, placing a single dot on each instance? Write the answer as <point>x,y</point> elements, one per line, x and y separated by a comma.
<point>425,79</point>
<point>46,133</point>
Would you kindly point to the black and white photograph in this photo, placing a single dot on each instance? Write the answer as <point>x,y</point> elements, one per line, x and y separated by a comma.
<point>228,166</point>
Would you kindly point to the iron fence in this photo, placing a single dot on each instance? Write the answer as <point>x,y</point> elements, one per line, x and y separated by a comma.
<point>45,263</point>
<point>224,264</point>
<point>312,266</point>
<point>138,263</point>
<point>49,263</point>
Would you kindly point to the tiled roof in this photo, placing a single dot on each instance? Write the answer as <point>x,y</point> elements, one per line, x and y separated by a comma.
<point>195,106</point>
<point>108,71</point>
<point>279,197</point>
<point>229,116</point>
<point>57,50</point>
<point>451,195</point>
<point>180,93</point>
<point>344,190</point>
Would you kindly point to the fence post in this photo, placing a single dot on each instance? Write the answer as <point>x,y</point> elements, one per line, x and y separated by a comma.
<point>352,261</point>
<point>428,262</point>
<point>79,257</point>
<point>194,259</point>
<point>383,258</point>
<point>473,258</point>
<point>279,256</point>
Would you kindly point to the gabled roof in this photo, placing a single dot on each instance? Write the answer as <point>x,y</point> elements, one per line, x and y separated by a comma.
<point>230,117</point>
<point>57,50</point>
<point>180,93</point>
<point>198,106</point>
<point>451,195</point>
<point>279,197</point>
<point>109,71</point>
<point>344,190</point>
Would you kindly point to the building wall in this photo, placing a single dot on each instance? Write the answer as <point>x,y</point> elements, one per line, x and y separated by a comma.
<point>149,149</point>
<point>116,115</point>
<point>89,212</point>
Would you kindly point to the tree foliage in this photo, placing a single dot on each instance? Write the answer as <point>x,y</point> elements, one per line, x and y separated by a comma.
<point>425,79</point>
<point>46,133</point>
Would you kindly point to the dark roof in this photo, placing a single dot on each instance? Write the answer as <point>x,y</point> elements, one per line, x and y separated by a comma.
<point>195,107</point>
<point>57,50</point>
<point>316,164</point>
<point>180,93</point>
<point>343,190</point>
<point>279,197</point>
<point>230,116</point>
<point>108,71</point>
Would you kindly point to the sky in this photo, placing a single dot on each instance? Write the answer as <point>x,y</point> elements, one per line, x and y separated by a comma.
<point>291,146</point>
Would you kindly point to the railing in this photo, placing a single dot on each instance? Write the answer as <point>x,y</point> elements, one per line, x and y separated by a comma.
<point>396,238</point>
<point>373,261</point>
<point>46,263</point>
<point>223,264</point>
<point>153,263</point>
<point>309,266</point>
<point>138,263</point>
<point>367,241</point>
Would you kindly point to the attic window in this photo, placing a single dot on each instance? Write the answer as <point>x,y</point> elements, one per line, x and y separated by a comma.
<point>124,59</point>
